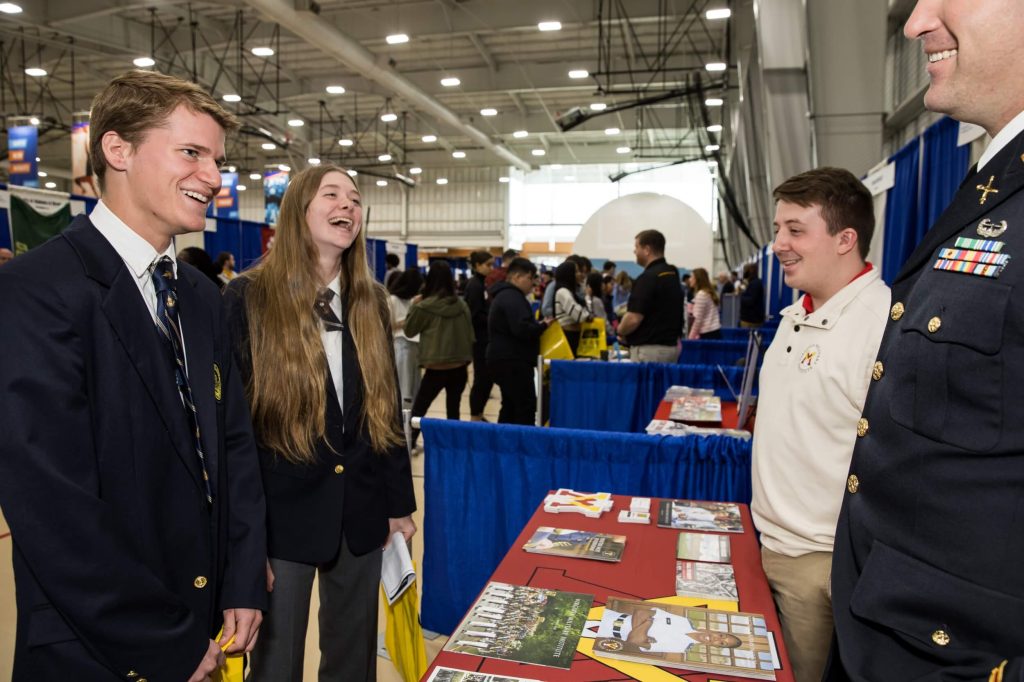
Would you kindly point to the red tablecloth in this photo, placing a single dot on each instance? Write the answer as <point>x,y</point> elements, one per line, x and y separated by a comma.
<point>647,571</point>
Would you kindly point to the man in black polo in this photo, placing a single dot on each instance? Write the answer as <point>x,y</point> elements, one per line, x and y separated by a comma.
<point>654,315</point>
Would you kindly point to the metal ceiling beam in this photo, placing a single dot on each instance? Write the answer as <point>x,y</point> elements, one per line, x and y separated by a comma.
<point>331,41</point>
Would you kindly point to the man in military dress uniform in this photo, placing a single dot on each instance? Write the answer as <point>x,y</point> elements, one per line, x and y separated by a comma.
<point>927,581</point>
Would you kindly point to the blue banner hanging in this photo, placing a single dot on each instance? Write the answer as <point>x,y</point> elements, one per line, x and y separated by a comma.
<point>22,146</point>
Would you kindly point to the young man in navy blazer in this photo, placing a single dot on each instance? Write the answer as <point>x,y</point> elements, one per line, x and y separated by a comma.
<point>128,471</point>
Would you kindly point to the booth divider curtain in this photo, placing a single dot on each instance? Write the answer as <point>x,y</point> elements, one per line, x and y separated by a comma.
<point>904,226</point>
<point>243,238</point>
<point>945,165</point>
<point>630,392</point>
<point>712,352</point>
<point>484,481</point>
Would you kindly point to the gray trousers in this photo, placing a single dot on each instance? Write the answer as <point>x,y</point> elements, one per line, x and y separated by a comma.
<point>652,353</point>
<point>348,620</point>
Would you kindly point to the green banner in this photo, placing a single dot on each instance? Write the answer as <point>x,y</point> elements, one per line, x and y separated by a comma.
<point>29,228</point>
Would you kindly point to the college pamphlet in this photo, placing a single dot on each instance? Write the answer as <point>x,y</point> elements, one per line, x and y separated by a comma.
<point>576,543</point>
<point>705,581</point>
<point>717,517</point>
<point>696,408</point>
<point>453,675</point>
<point>523,624</point>
<point>687,637</point>
<point>703,547</point>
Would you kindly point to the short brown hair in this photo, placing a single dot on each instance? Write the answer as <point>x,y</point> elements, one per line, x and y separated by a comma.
<point>653,239</point>
<point>843,199</point>
<point>137,101</point>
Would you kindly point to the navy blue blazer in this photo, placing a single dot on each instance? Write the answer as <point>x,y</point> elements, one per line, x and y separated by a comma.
<point>349,490</point>
<point>122,568</point>
<point>926,578</point>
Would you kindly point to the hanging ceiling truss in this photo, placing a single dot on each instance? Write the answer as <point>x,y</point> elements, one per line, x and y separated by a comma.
<point>646,61</point>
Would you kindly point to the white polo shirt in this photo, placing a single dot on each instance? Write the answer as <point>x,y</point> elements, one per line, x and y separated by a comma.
<point>813,384</point>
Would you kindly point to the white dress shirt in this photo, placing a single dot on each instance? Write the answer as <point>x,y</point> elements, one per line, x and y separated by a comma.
<point>332,342</point>
<point>1011,130</point>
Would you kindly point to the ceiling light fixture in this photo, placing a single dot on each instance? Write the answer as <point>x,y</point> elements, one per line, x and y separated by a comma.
<point>144,62</point>
<point>503,178</point>
<point>34,121</point>
<point>612,131</point>
<point>714,102</point>
<point>415,170</point>
<point>231,97</point>
<point>442,181</point>
<point>598,106</point>
<point>42,174</point>
<point>389,117</point>
<point>549,26</point>
<point>429,138</point>
<point>712,148</point>
<point>458,155</point>
<point>255,176</point>
<point>538,152</point>
<point>397,39</point>
<point>35,72</point>
<point>345,142</point>
<point>520,134</point>
<point>296,122</point>
<point>51,185</point>
<point>263,51</point>
<point>623,150</point>
<point>352,172</point>
<point>382,183</point>
<point>715,66</point>
<point>241,188</point>
<point>488,112</point>
<point>579,73</point>
<point>713,14</point>
<point>716,128</point>
<point>268,146</point>
<point>384,157</point>
<point>10,8</point>
<point>283,167</point>
<point>313,161</point>
<point>335,89</point>
<point>450,81</point>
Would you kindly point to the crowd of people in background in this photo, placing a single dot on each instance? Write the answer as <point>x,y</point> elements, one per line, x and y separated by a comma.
<point>443,323</point>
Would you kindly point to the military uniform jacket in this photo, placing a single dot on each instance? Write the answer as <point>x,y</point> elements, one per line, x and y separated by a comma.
<point>927,578</point>
<point>122,567</point>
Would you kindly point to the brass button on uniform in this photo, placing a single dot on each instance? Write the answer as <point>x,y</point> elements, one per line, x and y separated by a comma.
<point>199,582</point>
<point>862,427</point>
<point>132,675</point>
<point>897,311</point>
<point>853,483</point>
<point>934,324</point>
<point>338,469</point>
<point>878,371</point>
<point>940,637</point>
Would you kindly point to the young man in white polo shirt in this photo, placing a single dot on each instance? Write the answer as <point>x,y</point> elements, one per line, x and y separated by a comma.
<point>813,383</point>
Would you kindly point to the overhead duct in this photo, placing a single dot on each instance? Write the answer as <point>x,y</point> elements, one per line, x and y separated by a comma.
<point>317,32</point>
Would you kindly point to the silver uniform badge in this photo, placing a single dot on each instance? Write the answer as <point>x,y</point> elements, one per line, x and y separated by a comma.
<point>991,230</point>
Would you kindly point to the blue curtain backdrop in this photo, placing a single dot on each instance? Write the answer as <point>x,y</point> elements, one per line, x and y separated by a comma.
<point>945,165</point>
<point>712,352</point>
<point>623,396</point>
<point>243,238</point>
<point>904,226</point>
<point>484,481</point>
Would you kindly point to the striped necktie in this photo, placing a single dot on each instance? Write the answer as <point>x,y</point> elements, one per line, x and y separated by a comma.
<point>167,323</point>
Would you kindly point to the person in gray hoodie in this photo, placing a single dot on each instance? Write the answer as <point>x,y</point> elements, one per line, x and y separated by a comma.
<point>443,322</point>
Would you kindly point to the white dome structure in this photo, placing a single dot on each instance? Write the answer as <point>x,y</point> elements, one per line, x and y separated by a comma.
<point>610,231</point>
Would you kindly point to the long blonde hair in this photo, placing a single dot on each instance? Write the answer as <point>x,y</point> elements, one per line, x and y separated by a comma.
<point>286,391</point>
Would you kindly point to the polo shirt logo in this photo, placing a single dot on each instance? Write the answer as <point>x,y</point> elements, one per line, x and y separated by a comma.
<point>810,358</point>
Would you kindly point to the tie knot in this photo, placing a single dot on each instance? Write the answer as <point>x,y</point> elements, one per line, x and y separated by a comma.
<point>323,308</point>
<point>163,274</point>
